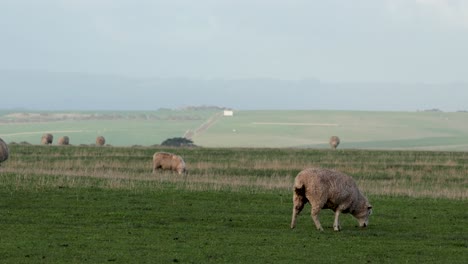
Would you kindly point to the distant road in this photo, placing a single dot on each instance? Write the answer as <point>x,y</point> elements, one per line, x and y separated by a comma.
<point>203,127</point>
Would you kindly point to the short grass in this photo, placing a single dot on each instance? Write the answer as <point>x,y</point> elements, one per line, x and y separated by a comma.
<point>166,225</point>
<point>82,204</point>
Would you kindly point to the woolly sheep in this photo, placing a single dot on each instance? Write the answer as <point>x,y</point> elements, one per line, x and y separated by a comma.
<point>47,139</point>
<point>4,151</point>
<point>100,141</point>
<point>334,142</point>
<point>64,140</point>
<point>329,189</point>
<point>168,161</point>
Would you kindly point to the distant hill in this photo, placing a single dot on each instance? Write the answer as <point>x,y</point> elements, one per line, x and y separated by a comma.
<point>76,91</point>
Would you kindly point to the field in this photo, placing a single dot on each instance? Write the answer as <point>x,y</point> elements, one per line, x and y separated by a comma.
<point>361,130</point>
<point>279,129</point>
<point>119,128</point>
<point>78,204</point>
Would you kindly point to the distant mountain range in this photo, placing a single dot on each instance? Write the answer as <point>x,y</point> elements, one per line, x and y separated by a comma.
<point>77,91</point>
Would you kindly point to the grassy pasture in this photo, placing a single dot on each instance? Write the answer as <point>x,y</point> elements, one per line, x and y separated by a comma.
<point>268,128</point>
<point>356,129</point>
<point>119,128</point>
<point>80,204</point>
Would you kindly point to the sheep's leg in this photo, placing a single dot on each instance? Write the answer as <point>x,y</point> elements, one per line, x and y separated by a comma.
<point>336,224</point>
<point>297,208</point>
<point>156,168</point>
<point>314,213</point>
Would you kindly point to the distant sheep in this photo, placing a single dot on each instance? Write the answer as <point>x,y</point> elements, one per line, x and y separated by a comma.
<point>329,189</point>
<point>47,139</point>
<point>64,140</point>
<point>334,142</point>
<point>168,161</point>
<point>4,151</point>
<point>100,141</point>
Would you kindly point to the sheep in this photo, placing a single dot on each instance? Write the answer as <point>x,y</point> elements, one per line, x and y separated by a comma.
<point>64,140</point>
<point>168,161</point>
<point>329,189</point>
<point>47,139</point>
<point>100,141</point>
<point>4,151</point>
<point>334,142</point>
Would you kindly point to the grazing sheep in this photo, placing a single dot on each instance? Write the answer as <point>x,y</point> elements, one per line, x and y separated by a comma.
<point>4,151</point>
<point>334,142</point>
<point>100,141</point>
<point>168,161</point>
<point>329,189</point>
<point>64,140</point>
<point>47,139</point>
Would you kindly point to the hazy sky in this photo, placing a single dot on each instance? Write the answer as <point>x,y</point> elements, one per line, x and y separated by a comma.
<point>332,40</point>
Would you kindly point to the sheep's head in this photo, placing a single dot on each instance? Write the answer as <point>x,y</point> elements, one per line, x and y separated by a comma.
<point>182,170</point>
<point>363,215</point>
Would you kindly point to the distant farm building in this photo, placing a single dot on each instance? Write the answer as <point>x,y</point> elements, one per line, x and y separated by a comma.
<point>228,113</point>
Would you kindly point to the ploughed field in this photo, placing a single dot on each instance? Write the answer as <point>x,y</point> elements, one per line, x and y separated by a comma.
<point>103,204</point>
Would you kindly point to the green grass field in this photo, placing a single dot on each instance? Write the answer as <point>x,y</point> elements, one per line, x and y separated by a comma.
<point>267,128</point>
<point>119,128</point>
<point>83,204</point>
<point>363,130</point>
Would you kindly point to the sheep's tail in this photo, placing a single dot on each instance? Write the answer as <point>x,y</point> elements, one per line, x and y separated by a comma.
<point>299,187</point>
<point>298,199</point>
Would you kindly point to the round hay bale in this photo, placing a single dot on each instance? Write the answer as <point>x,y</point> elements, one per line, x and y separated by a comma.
<point>64,140</point>
<point>100,141</point>
<point>4,151</point>
<point>334,142</point>
<point>47,139</point>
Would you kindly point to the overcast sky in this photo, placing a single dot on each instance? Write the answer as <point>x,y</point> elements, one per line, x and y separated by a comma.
<point>333,40</point>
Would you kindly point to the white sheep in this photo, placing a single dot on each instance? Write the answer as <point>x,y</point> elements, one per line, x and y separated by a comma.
<point>4,151</point>
<point>334,142</point>
<point>168,161</point>
<point>100,141</point>
<point>65,140</point>
<point>47,139</point>
<point>329,189</point>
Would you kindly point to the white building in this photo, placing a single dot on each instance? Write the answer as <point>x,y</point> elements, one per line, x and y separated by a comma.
<point>228,113</point>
